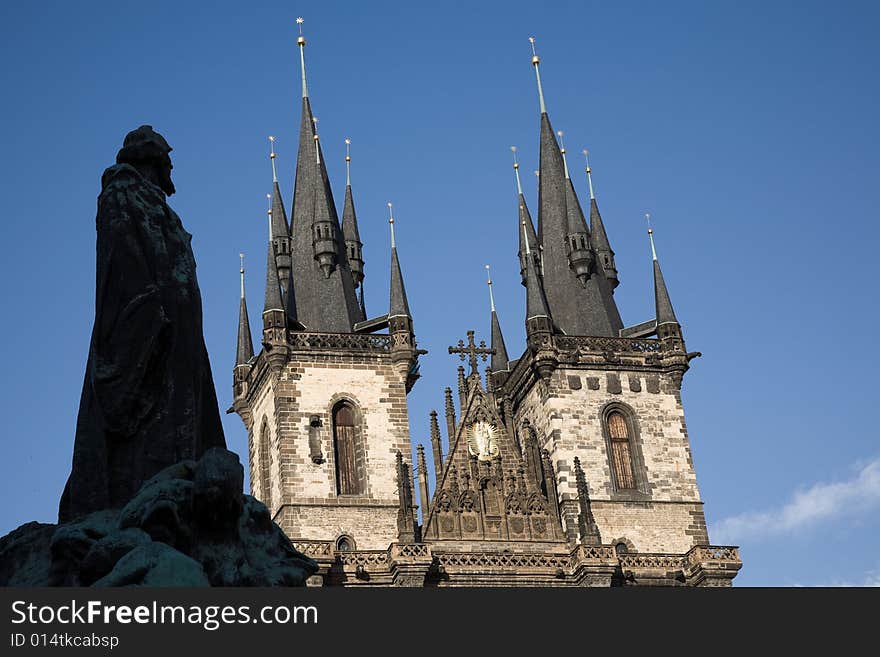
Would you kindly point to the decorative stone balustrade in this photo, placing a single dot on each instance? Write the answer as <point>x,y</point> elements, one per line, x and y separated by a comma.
<point>340,341</point>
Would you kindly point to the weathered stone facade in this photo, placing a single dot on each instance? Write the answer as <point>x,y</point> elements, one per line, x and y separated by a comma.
<point>665,513</point>
<point>297,482</point>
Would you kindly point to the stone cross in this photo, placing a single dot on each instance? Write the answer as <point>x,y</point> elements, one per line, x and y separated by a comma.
<point>472,350</point>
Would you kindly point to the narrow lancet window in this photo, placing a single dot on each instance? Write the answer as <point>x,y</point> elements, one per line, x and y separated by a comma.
<point>346,444</point>
<point>621,450</point>
<point>265,488</point>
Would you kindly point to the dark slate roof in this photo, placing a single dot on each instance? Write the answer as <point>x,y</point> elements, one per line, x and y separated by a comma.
<point>576,310</point>
<point>279,216</point>
<point>322,303</point>
<point>349,218</point>
<point>499,358</point>
<point>665,313</point>
<point>273,285</point>
<point>244,348</point>
<point>399,304</point>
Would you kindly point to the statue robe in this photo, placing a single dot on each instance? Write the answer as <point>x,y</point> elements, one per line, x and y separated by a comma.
<point>148,398</point>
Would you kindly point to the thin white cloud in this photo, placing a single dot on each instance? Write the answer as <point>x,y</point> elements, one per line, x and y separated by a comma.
<point>870,579</point>
<point>855,496</point>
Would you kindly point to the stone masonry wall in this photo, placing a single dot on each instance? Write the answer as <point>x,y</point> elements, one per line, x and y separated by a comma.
<point>307,506</point>
<point>666,516</point>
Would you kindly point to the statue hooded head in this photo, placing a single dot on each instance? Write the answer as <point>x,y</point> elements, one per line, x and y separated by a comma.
<point>147,151</point>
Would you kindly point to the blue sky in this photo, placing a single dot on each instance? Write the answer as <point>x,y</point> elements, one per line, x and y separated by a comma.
<point>747,129</point>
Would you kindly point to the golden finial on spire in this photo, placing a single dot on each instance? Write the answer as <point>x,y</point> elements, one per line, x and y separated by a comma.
<point>489,283</point>
<point>241,272</point>
<point>589,173</point>
<point>272,157</point>
<point>651,235</point>
<point>537,173</point>
<point>516,171</point>
<point>562,150</point>
<point>535,62</point>
<point>391,223</point>
<point>301,42</point>
<point>348,161</point>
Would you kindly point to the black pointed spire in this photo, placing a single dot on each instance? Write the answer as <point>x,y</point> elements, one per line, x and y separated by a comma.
<point>577,308</point>
<point>500,360</point>
<point>528,239</point>
<point>324,288</point>
<point>536,301</point>
<point>577,245</point>
<point>353,244</point>
<point>598,236</point>
<point>662,304</point>
<point>244,348</point>
<point>665,313</point>
<point>280,227</point>
<point>399,305</point>
<point>273,285</point>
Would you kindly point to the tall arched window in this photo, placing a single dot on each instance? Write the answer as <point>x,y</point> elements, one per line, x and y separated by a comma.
<point>621,450</point>
<point>347,450</point>
<point>265,488</point>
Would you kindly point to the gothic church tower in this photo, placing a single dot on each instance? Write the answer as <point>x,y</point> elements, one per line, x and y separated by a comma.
<point>324,400</point>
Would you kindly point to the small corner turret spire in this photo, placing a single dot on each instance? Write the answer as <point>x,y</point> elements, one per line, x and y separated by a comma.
<point>272,158</point>
<point>279,229</point>
<point>667,324</point>
<point>580,257</point>
<point>589,174</point>
<point>244,348</point>
<point>350,233</point>
<point>500,361</point>
<point>301,42</point>
<point>273,300</point>
<point>536,61</point>
<point>527,239</point>
<point>404,354</point>
<point>399,306</point>
<point>598,236</point>
<point>536,303</point>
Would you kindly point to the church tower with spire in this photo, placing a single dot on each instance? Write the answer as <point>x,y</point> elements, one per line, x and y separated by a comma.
<point>569,465</point>
<point>324,399</point>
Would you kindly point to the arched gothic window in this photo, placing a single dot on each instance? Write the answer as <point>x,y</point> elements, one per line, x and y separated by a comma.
<point>265,488</point>
<point>347,449</point>
<point>621,450</point>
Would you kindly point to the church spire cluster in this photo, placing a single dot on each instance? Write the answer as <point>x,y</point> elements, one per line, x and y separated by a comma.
<point>315,265</point>
<point>587,399</point>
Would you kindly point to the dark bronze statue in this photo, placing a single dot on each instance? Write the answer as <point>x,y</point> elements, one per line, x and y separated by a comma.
<point>148,398</point>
